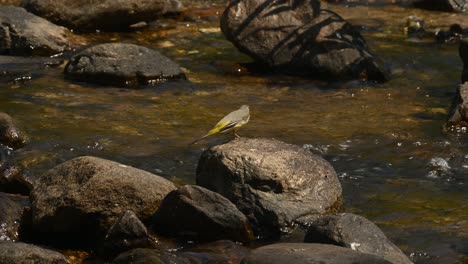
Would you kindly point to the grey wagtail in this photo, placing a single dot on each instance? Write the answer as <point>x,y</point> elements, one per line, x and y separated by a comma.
<point>233,121</point>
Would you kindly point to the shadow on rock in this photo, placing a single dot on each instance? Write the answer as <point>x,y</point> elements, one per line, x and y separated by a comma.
<point>298,38</point>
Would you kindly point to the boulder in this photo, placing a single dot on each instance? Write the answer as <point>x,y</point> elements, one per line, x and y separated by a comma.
<point>444,5</point>
<point>271,182</point>
<point>149,256</point>
<point>464,56</point>
<point>309,254</point>
<point>10,134</point>
<point>200,214</point>
<point>127,233</point>
<point>355,232</point>
<point>296,37</point>
<point>79,200</point>
<point>108,15</point>
<point>122,64</point>
<point>458,117</point>
<point>15,68</point>
<point>22,33</point>
<point>21,253</point>
<point>11,215</point>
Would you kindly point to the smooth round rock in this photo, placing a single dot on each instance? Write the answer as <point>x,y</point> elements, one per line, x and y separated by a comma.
<point>25,34</point>
<point>108,15</point>
<point>197,213</point>
<point>79,200</point>
<point>355,232</point>
<point>309,254</point>
<point>271,182</point>
<point>122,64</point>
<point>298,38</point>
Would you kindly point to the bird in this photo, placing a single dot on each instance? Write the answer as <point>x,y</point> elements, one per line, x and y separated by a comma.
<point>232,121</point>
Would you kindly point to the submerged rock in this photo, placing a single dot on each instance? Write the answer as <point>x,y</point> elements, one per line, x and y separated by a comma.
<point>109,15</point>
<point>195,212</point>
<point>15,68</point>
<point>122,64</point>
<point>454,34</point>
<point>297,37</point>
<point>11,216</point>
<point>127,233</point>
<point>10,134</point>
<point>79,200</point>
<point>355,232</point>
<point>22,33</point>
<point>271,182</point>
<point>458,117</point>
<point>16,252</point>
<point>309,253</point>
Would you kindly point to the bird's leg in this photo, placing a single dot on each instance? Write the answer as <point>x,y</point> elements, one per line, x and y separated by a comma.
<point>235,134</point>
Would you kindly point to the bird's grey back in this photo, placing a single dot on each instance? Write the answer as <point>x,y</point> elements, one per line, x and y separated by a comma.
<point>240,114</point>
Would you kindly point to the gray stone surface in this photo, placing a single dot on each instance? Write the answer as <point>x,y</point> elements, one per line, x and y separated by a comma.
<point>271,182</point>
<point>297,37</point>
<point>122,64</point>
<point>112,15</point>
<point>200,214</point>
<point>25,34</point>
<point>21,253</point>
<point>128,232</point>
<point>83,197</point>
<point>309,254</point>
<point>355,232</point>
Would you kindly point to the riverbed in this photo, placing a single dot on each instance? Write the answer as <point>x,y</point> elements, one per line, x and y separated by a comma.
<point>385,140</point>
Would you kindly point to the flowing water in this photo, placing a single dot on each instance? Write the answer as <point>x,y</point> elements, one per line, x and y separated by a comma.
<point>396,165</point>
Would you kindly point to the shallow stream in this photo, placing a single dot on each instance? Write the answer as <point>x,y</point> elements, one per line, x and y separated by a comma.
<point>396,165</point>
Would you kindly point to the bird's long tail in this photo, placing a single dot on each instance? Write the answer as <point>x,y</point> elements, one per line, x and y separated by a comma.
<point>211,132</point>
<point>196,140</point>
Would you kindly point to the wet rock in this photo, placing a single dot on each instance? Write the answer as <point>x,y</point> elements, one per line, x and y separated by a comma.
<point>296,38</point>
<point>79,200</point>
<point>444,5</point>
<point>355,232</point>
<point>22,33</point>
<point>13,179</point>
<point>271,182</point>
<point>10,134</point>
<point>122,64</point>
<point>14,68</point>
<point>458,117</point>
<point>309,253</point>
<point>21,253</point>
<point>195,212</point>
<point>149,256</point>
<point>415,27</point>
<point>454,34</point>
<point>221,251</point>
<point>464,56</point>
<point>105,15</point>
<point>127,233</point>
<point>11,214</point>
